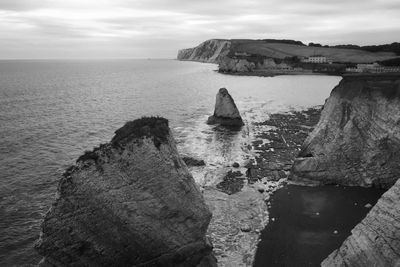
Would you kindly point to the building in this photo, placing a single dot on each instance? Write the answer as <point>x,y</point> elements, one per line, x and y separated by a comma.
<point>316,59</point>
<point>242,54</point>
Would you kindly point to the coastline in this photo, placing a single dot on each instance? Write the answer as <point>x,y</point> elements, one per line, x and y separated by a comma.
<point>240,217</point>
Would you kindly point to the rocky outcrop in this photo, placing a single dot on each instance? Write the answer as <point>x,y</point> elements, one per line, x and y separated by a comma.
<point>130,202</point>
<point>376,240</point>
<point>211,51</point>
<point>357,140</point>
<point>225,112</point>
<point>234,65</point>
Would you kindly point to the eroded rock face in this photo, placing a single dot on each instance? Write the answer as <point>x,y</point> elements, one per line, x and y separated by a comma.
<point>130,202</point>
<point>211,51</point>
<point>357,140</point>
<point>225,112</point>
<point>228,64</point>
<point>376,240</point>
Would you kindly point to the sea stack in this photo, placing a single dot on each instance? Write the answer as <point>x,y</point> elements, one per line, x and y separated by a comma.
<point>130,202</point>
<point>225,113</point>
<point>357,140</point>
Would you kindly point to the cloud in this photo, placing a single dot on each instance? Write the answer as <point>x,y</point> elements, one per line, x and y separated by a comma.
<point>158,28</point>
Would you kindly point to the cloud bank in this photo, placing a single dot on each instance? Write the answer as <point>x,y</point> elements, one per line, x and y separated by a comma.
<point>158,28</point>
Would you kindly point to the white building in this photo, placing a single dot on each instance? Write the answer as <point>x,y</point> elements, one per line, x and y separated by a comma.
<point>242,54</point>
<point>316,59</point>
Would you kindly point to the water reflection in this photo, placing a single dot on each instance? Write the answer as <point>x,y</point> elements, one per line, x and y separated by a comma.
<point>226,140</point>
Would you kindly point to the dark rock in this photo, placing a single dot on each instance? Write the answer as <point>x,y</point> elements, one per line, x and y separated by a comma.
<point>193,162</point>
<point>110,210</point>
<point>235,165</point>
<point>282,174</point>
<point>226,112</point>
<point>232,183</point>
<point>245,228</point>
<point>275,158</point>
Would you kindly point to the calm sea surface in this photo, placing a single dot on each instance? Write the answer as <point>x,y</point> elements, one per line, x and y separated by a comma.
<point>51,111</point>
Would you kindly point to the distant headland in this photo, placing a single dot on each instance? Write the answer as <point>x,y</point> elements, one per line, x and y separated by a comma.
<point>269,57</point>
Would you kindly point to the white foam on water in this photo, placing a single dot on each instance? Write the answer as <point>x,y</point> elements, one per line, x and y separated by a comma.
<point>220,147</point>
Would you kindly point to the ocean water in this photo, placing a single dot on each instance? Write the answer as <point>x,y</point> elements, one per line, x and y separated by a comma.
<point>51,111</point>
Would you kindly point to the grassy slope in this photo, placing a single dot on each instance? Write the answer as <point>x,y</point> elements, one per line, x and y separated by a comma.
<point>280,50</point>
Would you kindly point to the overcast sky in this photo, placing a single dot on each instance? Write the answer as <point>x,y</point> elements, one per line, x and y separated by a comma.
<point>158,28</point>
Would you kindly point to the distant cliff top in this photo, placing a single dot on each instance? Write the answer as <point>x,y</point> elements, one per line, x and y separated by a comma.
<point>214,50</point>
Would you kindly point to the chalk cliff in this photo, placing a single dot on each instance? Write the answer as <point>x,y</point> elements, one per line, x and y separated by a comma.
<point>376,240</point>
<point>225,113</point>
<point>130,202</point>
<point>211,51</point>
<point>357,140</point>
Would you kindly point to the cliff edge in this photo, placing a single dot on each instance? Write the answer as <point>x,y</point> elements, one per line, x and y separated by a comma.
<point>130,202</point>
<point>376,240</point>
<point>210,51</point>
<point>357,140</point>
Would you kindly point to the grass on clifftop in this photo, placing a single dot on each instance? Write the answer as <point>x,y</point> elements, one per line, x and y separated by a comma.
<point>156,127</point>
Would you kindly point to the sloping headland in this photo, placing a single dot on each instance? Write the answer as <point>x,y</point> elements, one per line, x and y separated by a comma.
<point>274,57</point>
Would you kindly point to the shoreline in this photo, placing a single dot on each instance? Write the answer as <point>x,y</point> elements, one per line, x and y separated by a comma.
<point>240,215</point>
<point>273,74</point>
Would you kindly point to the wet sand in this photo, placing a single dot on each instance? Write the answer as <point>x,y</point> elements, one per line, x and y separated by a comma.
<point>303,222</point>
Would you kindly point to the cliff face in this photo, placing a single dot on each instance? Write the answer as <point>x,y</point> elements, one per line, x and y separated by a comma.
<point>228,64</point>
<point>376,240</point>
<point>130,202</point>
<point>357,140</point>
<point>211,51</point>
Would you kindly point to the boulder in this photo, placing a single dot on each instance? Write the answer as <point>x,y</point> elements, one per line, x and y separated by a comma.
<point>376,240</point>
<point>130,202</point>
<point>193,162</point>
<point>225,112</point>
<point>357,140</point>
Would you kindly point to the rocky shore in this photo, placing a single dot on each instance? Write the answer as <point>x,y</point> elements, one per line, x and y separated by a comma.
<point>239,201</point>
<point>277,147</point>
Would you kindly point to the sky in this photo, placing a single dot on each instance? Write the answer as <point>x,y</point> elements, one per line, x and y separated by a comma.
<point>159,28</point>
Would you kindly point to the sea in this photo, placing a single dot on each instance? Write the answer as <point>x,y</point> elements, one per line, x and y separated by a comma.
<point>51,111</point>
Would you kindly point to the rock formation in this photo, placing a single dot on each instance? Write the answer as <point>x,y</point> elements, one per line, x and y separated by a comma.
<point>357,140</point>
<point>376,240</point>
<point>227,64</point>
<point>225,112</point>
<point>130,202</point>
<point>210,51</point>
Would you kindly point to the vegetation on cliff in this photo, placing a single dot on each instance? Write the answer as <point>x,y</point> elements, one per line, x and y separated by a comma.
<point>154,127</point>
